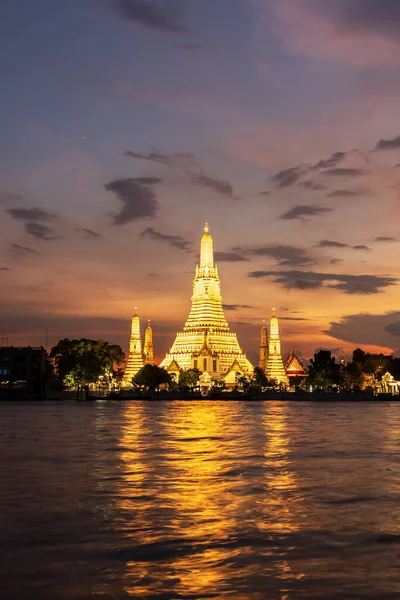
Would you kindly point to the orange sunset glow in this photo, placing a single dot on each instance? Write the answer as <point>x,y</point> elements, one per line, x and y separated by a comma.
<point>293,158</point>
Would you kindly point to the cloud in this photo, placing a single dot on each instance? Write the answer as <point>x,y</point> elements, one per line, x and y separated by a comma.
<point>293,319</point>
<point>376,16</point>
<point>385,238</point>
<point>365,328</point>
<point>334,244</point>
<point>7,198</point>
<point>147,180</point>
<point>350,284</point>
<point>4,269</point>
<point>228,257</point>
<point>390,144</point>
<point>287,177</point>
<point>312,185</point>
<point>173,240</point>
<point>334,160</point>
<point>344,172</point>
<point>357,32</point>
<point>24,249</point>
<point>88,233</point>
<point>30,214</point>
<point>331,244</point>
<point>159,16</point>
<point>300,211</point>
<point>360,247</point>
<point>342,194</point>
<point>177,159</point>
<point>393,328</point>
<point>290,256</point>
<point>335,261</point>
<point>266,193</point>
<point>235,306</point>
<point>41,232</point>
<point>189,47</point>
<point>218,185</point>
<point>138,202</point>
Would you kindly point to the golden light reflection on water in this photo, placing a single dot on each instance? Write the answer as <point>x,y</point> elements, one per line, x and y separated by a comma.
<point>194,482</point>
<point>280,506</point>
<point>198,499</point>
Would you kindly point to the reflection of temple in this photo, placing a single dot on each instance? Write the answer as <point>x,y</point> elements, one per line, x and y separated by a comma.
<point>182,502</point>
<point>138,357</point>
<point>206,342</point>
<point>275,368</point>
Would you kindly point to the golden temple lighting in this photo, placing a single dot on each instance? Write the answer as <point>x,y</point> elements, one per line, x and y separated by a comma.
<point>275,368</point>
<point>148,345</point>
<point>263,347</point>
<point>206,342</point>
<point>135,358</point>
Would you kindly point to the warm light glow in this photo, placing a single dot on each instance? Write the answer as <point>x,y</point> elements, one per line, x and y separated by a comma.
<point>206,341</point>
<point>135,357</point>
<point>275,368</point>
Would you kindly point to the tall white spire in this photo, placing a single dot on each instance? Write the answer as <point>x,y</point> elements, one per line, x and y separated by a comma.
<point>206,249</point>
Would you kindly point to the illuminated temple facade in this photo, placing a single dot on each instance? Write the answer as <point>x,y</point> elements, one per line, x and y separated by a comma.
<point>206,342</point>
<point>138,356</point>
<point>275,369</point>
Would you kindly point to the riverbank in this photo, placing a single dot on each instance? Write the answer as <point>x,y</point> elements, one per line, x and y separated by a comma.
<point>254,396</point>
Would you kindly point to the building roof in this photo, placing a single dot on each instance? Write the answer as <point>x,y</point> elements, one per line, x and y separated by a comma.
<point>293,366</point>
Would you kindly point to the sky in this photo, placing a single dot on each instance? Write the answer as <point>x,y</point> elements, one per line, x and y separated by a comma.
<point>126,124</point>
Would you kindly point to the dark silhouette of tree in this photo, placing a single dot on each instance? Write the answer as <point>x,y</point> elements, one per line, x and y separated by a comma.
<point>151,377</point>
<point>188,379</point>
<point>79,363</point>
<point>259,379</point>
<point>323,370</point>
<point>242,381</point>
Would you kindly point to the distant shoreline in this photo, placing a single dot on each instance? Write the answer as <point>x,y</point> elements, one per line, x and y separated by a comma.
<point>260,397</point>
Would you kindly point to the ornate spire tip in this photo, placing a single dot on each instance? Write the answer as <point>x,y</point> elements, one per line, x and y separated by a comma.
<point>206,227</point>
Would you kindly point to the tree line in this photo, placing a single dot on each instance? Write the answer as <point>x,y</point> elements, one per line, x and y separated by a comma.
<point>80,363</point>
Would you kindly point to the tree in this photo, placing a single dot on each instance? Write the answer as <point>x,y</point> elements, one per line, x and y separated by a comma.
<point>79,363</point>
<point>188,379</point>
<point>151,377</point>
<point>323,370</point>
<point>259,379</point>
<point>242,381</point>
<point>351,376</point>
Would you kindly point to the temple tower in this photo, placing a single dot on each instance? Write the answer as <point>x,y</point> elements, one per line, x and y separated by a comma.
<point>206,342</point>
<point>263,347</point>
<point>275,368</point>
<point>148,345</point>
<point>135,358</point>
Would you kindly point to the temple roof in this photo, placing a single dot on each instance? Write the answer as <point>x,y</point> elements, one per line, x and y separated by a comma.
<point>293,366</point>
<point>173,366</point>
<point>235,367</point>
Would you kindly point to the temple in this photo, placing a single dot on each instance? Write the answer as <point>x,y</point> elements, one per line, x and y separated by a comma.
<point>206,342</point>
<point>294,367</point>
<point>135,358</point>
<point>148,350</point>
<point>263,347</point>
<point>275,368</point>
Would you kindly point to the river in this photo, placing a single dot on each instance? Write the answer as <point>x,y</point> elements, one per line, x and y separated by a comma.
<point>202,499</point>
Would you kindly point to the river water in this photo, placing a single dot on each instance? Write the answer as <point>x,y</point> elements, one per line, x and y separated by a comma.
<point>202,499</point>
